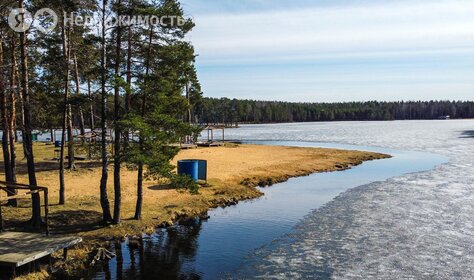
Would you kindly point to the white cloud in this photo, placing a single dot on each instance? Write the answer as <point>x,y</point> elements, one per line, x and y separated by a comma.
<point>387,50</point>
<point>404,26</point>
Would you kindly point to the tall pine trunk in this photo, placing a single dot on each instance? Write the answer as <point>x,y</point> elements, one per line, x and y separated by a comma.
<point>91,105</point>
<point>70,139</point>
<point>139,205</point>
<point>13,77</point>
<point>4,116</point>
<point>27,136</point>
<point>128,94</point>
<point>128,90</point>
<point>78,93</point>
<point>188,98</point>
<point>20,101</point>
<point>82,126</point>
<point>117,130</point>
<point>104,200</point>
<point>66,56</point>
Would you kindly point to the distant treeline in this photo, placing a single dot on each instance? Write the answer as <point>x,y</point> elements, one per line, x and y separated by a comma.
<point>229,111</point>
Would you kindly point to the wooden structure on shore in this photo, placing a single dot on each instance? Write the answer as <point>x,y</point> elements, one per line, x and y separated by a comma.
<point>22,248</point>
<point>187,142</point>
<point>184,146</point>
<point>12,188</point>
<point>210,137</point>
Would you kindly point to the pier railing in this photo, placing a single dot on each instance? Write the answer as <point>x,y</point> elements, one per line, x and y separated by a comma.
<point>13,192</point>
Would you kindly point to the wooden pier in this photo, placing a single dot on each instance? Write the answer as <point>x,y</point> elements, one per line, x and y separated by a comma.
<point>210,144</point>
<point>183,146</point>
<point>21,248</point>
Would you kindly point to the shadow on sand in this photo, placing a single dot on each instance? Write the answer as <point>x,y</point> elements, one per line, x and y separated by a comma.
<point>61,222</point>
<point>161,187</point>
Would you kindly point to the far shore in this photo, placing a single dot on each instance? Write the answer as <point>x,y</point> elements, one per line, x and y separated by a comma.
<point>234,172</point>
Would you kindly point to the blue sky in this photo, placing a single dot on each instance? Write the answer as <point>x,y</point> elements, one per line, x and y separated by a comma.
<point>334,50</point>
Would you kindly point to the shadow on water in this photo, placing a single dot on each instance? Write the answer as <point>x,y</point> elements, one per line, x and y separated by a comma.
<point>467,134</point>
<point>218,248</point>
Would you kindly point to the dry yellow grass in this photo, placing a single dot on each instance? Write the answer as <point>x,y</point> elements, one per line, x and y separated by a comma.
<point>233,173</point>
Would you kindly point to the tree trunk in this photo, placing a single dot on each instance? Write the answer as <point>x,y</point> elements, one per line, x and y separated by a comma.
<point>104,200</point>
<point>138,207</point>
<point>27,136</point>
<point>20,99</point>
<point>117,130</point>
<point>4,115</point>
<point>128,92</point>
<point>66,56</point>
<point>91,104</point>
<point>81,112</point>
<point>12,134</point>
<point>62,183</point>
<point>70,137</point>
<point>188,97</point>
<point>70,140</point>
<point>82,127</point>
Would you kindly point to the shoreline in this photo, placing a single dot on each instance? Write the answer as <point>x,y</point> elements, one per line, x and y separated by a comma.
<point>240,169</point>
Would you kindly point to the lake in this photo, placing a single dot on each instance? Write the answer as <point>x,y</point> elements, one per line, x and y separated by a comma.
<point>226,243</point>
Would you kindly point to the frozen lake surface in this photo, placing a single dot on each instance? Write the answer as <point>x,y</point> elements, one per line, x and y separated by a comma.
<point>416,226</point>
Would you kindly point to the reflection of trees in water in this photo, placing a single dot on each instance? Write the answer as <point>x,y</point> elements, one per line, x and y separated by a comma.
<point>160,256</point>
<point>107,274</point>
<point>119,257</point>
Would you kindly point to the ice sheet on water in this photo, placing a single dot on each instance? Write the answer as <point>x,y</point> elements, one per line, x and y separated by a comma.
<point>417,226</point>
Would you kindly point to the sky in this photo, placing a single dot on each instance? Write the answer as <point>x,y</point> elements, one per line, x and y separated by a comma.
<point>334,50</point>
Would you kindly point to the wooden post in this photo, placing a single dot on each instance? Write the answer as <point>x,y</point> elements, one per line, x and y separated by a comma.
<point>90,149</point>
<point>65,254</point>
<point>1,218</point>
<point>46,211</point>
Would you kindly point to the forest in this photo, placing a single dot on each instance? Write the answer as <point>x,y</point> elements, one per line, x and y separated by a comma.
<point>127,86</point>
<point>233,111</point>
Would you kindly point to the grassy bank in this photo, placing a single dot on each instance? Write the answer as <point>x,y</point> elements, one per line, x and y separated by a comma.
<point>234,172</point>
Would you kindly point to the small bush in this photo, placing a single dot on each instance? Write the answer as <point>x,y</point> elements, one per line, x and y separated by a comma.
<point>184,182</point>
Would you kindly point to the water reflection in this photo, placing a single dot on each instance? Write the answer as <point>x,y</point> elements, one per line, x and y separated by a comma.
<point>162,255</point>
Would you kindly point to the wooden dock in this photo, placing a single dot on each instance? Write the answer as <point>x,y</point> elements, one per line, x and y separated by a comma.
<point>20,248</point>
<point>183,146</point>
<point>210,144</point>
